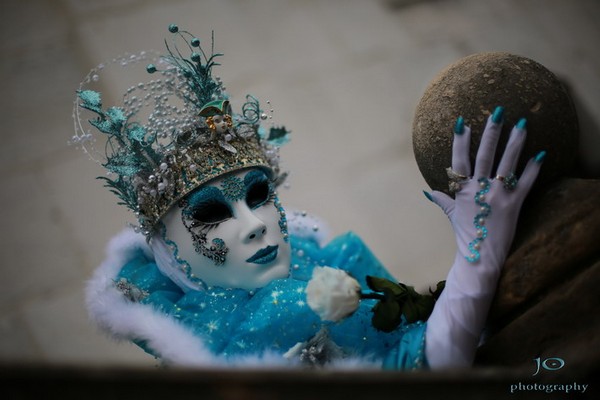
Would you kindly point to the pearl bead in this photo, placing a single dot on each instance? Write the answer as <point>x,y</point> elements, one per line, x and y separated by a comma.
<point>479,233</point>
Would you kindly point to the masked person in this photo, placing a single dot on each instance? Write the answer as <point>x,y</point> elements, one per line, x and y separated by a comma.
<point>216,272</point>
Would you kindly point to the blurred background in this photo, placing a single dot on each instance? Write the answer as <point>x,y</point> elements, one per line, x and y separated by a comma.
<point>343,75</point>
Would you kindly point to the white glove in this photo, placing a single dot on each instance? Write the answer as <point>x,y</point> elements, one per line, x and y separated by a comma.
<point>484,217</point>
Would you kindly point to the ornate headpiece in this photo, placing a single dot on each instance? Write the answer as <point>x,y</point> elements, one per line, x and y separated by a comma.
<point>174,132</point>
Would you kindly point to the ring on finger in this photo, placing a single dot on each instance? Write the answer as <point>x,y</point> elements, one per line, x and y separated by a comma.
<point>509,181</point>
<point>454,180</point>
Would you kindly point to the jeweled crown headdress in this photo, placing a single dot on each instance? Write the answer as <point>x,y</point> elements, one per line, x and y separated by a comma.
<point>163,142</point>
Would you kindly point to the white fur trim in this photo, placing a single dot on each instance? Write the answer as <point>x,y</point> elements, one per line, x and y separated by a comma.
<point>126,320</point>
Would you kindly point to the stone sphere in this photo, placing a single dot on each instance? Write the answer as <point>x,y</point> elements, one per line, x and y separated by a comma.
<point>472,88</point>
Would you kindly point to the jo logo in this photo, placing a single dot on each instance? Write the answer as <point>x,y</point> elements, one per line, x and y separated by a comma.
<point>549,364</point>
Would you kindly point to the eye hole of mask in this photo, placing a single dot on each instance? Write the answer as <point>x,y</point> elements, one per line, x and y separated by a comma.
<point>258,194</point>
<point>211,213</point>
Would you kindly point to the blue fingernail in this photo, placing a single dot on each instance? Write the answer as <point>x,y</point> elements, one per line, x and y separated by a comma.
<point>459,127</point>
<point>428,196</point>
<point>522,123</point>
<point>539,158</point>
<point>498,114</point>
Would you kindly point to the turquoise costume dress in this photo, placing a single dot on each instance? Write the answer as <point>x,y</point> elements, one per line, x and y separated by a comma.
<point>232,323</point>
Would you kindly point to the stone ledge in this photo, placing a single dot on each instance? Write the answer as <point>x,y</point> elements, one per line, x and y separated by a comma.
<point>66,382</point>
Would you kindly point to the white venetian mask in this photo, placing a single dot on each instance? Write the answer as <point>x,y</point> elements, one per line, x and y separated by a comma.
<point>231,232</point>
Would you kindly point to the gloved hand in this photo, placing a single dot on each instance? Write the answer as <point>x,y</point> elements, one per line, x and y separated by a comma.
<point>484,216</point>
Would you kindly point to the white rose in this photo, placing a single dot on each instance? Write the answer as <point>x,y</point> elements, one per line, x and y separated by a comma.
<point>332,293</point>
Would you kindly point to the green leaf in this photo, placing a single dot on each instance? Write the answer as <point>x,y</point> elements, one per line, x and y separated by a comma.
<point>122,191</point>
<point>103,125</point>
<point>136,132</point>
<point>278,135</point>
<point>418,308</point>
<point>438,289</point>
<point>123,165</point>
<point>91,100</point>
<point>382,285</point>
<point>386,315</point>
<point>400,299</point>
<point>110,122</point>
<point>117,117</point>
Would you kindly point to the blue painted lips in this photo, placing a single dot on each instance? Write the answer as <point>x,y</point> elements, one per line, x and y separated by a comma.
<point>264,256</point>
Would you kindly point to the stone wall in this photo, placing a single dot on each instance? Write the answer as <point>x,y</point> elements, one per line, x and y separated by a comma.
<point>549,291</point>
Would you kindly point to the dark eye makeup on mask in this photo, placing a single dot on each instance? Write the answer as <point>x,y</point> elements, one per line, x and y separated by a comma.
<point>208,205</point>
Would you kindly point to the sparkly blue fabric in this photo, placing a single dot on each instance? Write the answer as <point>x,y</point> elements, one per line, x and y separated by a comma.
<point>234,322</point>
